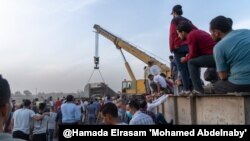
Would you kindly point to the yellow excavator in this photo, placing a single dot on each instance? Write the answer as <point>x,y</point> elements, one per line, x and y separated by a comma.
<point>132,86</point>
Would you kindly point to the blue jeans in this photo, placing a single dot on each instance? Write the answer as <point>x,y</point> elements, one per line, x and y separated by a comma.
<point>183,67</point>
<point>194,66</point>
<point>50,134</point>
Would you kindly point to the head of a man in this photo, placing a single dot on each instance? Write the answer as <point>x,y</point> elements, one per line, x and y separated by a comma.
<point>121,105</point>
<point>41,107</point>
<point>110,114</point>
<point>177,10</point>
<point>220,26</point>
<point>5,104</point>
<point>151,77</point>
<point>70,98</point>
<point>149,98</point>
<point>26,103</point>
<point>171,58</point>
<point>183,29</point>
<point>134,106</point>
<point>143,105</point>
<point>150,63</point>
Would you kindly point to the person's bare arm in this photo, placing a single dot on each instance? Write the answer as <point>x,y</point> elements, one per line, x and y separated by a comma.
<point>39,117</point>
<point>223,75</point>
<point>158,88</point>
<point>12,124</point>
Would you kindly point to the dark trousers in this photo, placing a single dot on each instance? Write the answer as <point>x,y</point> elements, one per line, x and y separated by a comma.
<point>21,135</point>
<point>224,87</point>
<point>195,65</point>
<point>183,67</point>
<point>153,86</point>
<point>50,134</point>
<point>39,137</point>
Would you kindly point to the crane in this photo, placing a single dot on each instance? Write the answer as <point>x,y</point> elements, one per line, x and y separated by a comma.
<point>134,86</point>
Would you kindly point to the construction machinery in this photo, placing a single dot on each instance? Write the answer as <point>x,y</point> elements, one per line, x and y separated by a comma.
<point>132,86</point>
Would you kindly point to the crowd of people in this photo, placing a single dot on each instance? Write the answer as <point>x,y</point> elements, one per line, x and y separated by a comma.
<point>39,120</point>
<point>226,50</point>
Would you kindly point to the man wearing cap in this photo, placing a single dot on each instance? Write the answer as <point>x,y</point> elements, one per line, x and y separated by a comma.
<point>179,47</point>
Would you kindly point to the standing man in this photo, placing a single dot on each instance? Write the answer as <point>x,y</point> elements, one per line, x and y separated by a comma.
<point>179,47</point>
<point>200,53</point>
<point>21,121</point>
<point>71,114</point>
<point>110,115</point>
<point>232,56</point>
<point>138,117</point>
<point>40,127</point>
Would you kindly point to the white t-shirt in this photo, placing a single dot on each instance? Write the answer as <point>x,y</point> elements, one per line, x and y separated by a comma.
<point>155,70</point>
<point>153,106</point>
<point>52,120</point>
<point>160,80</point>
<point>51,103</point>
<point>40,126</point>
<point>22,120</point>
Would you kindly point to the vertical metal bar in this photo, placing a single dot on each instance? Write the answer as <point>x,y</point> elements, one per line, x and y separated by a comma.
<point>176,118</point>
<point>193,110</point>
<point>96,44</point>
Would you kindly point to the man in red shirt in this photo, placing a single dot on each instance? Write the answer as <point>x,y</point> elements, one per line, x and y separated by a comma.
<point>200,53</point>
<point>179,47</point>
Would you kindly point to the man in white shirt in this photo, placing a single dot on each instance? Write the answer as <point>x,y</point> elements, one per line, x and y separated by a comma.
<point>40,127</point>
<point>153,104</point>
<point>157,83</point>
<point>51,124</point>
<point>153,69</point>
<point>21,121</point>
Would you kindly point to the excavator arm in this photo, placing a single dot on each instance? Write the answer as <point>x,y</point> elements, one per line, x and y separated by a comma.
<point>119,43</point>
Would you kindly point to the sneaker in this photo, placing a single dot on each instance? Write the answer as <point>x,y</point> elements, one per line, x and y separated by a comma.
<point>184,93</point>
<point>195,93</point>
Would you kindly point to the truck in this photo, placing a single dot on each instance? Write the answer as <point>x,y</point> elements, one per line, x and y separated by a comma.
<point>133,86</point>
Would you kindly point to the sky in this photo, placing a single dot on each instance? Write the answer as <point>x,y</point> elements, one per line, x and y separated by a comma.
<point>48,45</point>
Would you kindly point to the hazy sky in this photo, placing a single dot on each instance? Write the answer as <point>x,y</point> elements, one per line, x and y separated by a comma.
<point>48,45</point>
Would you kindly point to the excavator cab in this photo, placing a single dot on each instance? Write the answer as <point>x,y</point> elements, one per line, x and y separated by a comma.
<point>133,87</point>
<point>128,86</point>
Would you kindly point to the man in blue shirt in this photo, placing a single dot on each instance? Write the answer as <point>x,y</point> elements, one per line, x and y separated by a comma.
<point>232,56</point>
<point>71,114</point>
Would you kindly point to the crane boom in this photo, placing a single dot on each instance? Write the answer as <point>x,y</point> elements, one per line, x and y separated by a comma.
<point>131,49</point>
